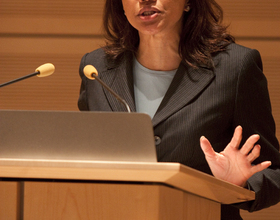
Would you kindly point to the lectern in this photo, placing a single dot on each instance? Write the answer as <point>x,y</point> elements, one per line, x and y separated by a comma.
<point>111,190</point>
<point>49,189</point>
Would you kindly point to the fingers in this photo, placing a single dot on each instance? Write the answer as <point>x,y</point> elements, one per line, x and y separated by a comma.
<point>254,154</point>
<point>207,147</point>
<point>249,144</point>
<point>249,148</point>
<point>261,166</point>
<point>237,137</point>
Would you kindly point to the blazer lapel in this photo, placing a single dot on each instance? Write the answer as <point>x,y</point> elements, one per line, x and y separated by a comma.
<point>186,85</point>
<point>119,78</point>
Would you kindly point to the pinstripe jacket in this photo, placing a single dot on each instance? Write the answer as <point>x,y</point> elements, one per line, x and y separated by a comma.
<point>200,102</point>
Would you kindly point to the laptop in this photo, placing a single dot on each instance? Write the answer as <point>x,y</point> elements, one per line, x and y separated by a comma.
<point>90,136</point>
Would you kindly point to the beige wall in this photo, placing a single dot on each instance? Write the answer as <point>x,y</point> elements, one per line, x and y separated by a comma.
<point>35,32</point>
<point>38,31</point>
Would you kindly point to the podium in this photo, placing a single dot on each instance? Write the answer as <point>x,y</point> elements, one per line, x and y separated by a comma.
<point>48,189</point>
<point>51,169</point>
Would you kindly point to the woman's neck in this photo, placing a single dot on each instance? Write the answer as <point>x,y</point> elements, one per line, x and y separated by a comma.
<point>159,53</point>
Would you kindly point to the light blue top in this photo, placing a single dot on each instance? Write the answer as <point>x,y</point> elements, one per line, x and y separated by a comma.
<point>150,87</point>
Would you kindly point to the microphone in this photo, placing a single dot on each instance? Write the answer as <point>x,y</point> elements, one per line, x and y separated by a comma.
<point>42,71</point>
<point>91,73</point>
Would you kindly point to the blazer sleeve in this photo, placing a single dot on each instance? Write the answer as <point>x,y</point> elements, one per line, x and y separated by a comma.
<point>253,112</point>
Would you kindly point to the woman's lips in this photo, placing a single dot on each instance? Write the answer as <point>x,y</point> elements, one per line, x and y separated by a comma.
<point>148,13</point>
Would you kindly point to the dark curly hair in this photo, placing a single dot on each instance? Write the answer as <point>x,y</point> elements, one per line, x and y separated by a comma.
<point>203,33</point>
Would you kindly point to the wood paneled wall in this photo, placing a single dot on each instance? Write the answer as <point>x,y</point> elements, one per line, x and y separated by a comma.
<point>34,32</point>
<point>38,31</point>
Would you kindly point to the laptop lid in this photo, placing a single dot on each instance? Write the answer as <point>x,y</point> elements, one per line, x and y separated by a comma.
<point>94,136</point>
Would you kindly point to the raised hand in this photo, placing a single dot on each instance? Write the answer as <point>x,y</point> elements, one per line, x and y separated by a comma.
<point>234,165</point>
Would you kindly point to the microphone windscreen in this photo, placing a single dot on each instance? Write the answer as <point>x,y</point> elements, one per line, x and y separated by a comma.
<point>89,70</point>
<point>45,70</point>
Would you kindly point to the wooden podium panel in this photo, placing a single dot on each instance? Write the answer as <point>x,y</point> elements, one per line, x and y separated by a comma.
<point>44,189</point>
<point>9,200</point>
<point>105,201</point>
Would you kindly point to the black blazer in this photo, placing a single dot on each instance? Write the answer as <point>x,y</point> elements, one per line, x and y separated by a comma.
<point>200,102</point>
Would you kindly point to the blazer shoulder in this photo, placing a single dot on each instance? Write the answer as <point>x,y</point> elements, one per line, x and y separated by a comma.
<point>96,58</point>
<point>240,52</point>
<point>101,61</point>
<point>238,56</point>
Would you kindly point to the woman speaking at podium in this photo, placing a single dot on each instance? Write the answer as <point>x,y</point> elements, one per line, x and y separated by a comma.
<point>206,95</point>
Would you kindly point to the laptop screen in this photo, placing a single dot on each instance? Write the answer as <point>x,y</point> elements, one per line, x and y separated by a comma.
<point>94,136</point>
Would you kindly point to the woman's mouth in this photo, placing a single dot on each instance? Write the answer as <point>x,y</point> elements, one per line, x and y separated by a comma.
<point>148,13</point>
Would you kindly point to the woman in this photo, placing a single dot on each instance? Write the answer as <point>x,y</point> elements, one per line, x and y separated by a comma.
<point>175,61</point>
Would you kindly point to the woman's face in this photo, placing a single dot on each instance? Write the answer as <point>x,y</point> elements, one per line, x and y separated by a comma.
<point>155,16</point>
